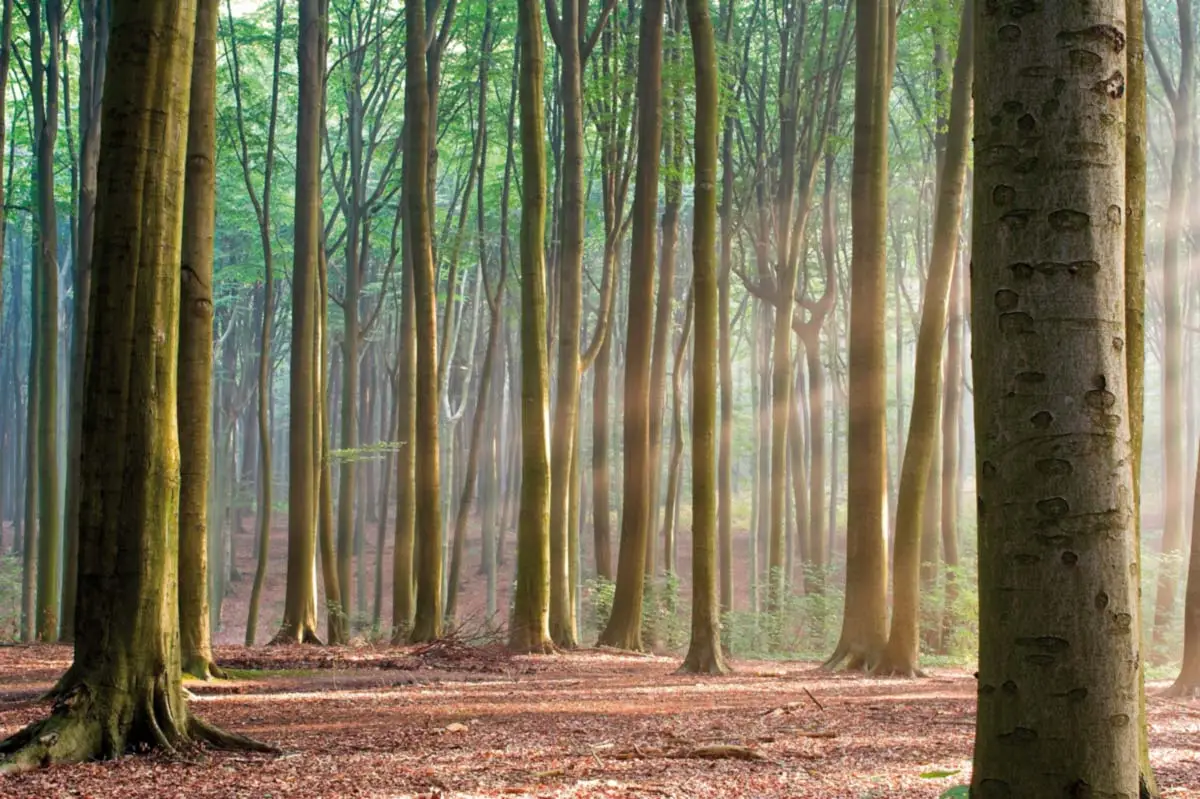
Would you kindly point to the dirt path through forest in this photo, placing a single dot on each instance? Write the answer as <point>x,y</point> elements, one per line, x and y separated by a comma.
<point>447,721</point>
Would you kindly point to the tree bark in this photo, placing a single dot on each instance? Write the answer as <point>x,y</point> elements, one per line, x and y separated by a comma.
<point>298,616</point>
<point>124,691</point>
<point>864,627</point>
<point>624,627</point>
<point>704,650</point>
<point>1058,666</point>
<point>196,348</point>
<point>427,622</point>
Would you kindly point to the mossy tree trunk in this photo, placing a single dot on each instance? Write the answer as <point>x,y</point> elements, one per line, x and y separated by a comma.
<point>529,630</point>
<point>704,651</point>
<point>1135,320</point>
<point>124,691</point>
<point>194,406</point>
<point>1059,658</point>
<point>901,654</point>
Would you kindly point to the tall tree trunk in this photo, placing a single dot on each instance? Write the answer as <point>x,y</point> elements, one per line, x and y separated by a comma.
<point>704,651</point>
<point>725,347</point>
<point>672,146</point>
<point>45,86</point>
<point>93,56</point>
<point>1174,504</point>
<point>298,615</point>
<point>864,627</point>
<point>124,691</point>
<point>529,630</point>
<point>1056,499</point>
<point>901,655</point>
<point>196,348</point>
<point>624,628</point>
<point>427,622</point>
<point>406,382</point>
<point>1135,323</point>
<point>675,464</point>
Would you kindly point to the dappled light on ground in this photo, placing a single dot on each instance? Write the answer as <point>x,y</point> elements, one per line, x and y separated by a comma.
<point>410,722</point>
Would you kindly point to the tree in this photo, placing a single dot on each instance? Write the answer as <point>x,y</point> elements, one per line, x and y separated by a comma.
<point>574,46</point>
<point>427,623</point>
<point>530,630</point>
<point>624,628</point>
<point>1180,96</point>
<point>1058,666</point>
<point>124,691</point>
<point>299,616</point>
<point>93,55</point>
<point>704,652</point>
<point>44,49</point>
<point>864,630</point>
<point>900,655</point>
<point>262,213</point>
<point>194,404</point>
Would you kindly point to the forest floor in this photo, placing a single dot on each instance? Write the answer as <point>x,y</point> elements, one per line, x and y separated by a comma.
<point>450,721</point>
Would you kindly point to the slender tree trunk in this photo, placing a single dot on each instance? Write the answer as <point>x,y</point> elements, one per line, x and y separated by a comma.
<point>196,349</point>
<point>93,57</point>
<point>1174,503</point>
<point>529,630</point>
<point>675,464</point>
<point>901,655</point>
<point>704,651</point>
<point>864,628</point>
<point>623,630</point>
<point>45,88</point>
<point>298,620</point>
<point>427,622</point>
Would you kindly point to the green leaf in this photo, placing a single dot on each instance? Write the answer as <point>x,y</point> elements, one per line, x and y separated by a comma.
<point>939,774</point>
<point>957,792</point>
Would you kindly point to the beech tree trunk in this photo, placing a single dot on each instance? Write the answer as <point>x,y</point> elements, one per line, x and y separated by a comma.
<point>864,626</point>
<point>299,622</point>
<point>903,647</point>
<point>624,628</point>
<point>704,651</point>
<point>530,631</point>
<point>196,349</point>
<point>124,691</point>
<point>1058,661</point>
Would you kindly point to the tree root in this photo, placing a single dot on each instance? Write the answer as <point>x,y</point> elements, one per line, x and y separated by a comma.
<point>703,660</point>
<point>854,659</point>
<point>896,665</point>
<point>203,668</point>
<point>290,634</point>
<point>99,722</point>
<point>1183,689</point>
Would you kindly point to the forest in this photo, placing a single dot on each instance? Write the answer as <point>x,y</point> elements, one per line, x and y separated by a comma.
<point>628,398</point>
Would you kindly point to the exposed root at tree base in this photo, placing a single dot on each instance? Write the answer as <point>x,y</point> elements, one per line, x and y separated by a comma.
<point>293,635</point>
<point>1183,689</point>
<point>204,669</point>
<point>853,659</point>
<point>82,727</point>
<point>703,662</point>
